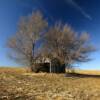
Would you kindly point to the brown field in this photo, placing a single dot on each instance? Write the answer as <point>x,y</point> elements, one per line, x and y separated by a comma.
<point>18,84</point>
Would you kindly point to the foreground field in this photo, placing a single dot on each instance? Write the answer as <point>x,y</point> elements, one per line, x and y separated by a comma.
<point>17,84</point>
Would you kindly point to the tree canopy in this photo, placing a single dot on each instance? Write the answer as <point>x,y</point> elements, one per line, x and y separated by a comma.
<point>58,41</point>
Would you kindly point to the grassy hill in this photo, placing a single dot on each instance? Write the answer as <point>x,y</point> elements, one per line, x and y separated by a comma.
<point>18,84</point>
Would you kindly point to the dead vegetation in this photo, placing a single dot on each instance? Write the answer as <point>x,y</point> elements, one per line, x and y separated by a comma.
<point>16,84</point>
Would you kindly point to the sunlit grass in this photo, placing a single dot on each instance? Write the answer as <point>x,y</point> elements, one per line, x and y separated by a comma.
<point>18,84</point>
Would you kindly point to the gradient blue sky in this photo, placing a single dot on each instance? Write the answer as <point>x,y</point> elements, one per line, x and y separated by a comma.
<point>82,15</point>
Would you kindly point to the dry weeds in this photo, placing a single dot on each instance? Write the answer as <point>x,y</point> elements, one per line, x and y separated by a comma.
<point>16,84</point>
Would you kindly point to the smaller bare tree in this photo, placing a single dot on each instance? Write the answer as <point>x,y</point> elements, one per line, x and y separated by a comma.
<point>63,43</point>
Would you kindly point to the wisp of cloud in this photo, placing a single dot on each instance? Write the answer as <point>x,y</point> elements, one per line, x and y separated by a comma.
<point>79,8</point>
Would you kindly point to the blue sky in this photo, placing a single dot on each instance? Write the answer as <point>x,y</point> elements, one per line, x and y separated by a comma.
<point>82,15</point>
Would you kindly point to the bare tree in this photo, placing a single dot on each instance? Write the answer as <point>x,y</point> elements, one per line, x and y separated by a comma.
<point>59,42</point>
<point>69,47</point>
<point>24,44</point>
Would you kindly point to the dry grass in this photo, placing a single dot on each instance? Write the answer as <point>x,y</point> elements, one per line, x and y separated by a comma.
<point>17,84</point>
<point>90,72</point>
